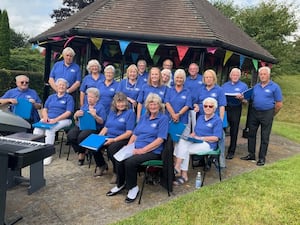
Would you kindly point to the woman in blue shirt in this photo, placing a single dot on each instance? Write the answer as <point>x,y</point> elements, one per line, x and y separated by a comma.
<point>57,110</point>
<point>96,109</point>
<point>147,138</point>
<point>118,127</point>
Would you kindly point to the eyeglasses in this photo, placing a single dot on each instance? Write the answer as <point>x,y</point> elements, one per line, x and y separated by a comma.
<point>24,82</point>
<point>209,106</point>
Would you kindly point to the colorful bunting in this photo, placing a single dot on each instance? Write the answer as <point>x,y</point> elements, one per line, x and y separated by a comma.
<point>34,46</point>
<point>105,63</point>
<point>68,41</point>
<point>155,59</point>
<point>211,50</point>
<point>123,45</point>
<point>113,50</point>
<point>263,63</point>
<point>255,64</point>
<point>97,42</point>
<point>56,38</point>
<point>228,54</point>
<point>242,59</point>
<point>182,50</point>
<point>152,47</point>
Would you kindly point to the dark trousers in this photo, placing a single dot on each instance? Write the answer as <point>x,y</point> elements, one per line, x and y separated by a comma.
<point>113,149</point>
<point>233,117</point>
<point>128,168</point>
<point>75,136</point>
<point>264,119</point>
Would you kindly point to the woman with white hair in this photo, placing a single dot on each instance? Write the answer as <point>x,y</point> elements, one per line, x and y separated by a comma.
<point>209,129</point>
<point>92,79</point>
<point>57,110</point>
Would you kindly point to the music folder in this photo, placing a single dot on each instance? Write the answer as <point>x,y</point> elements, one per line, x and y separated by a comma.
<point>23,108</point>
<point>248,93</point>
<point>191,139</point>
<point>87,121</point>
<point>93,141</point>
<point>175,130</point>
<point>43,125</point>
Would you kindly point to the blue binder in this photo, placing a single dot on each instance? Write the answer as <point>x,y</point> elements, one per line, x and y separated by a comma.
<point>175,130</point>
<point>87,121</point>
<point>93,142</point>
<point>23,108</point>
<point>43,125</point>
<point>248,93</point>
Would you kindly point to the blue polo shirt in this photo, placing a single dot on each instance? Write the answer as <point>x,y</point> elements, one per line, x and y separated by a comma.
<point>119,124</point>
<point>142,79</point>
<point>211,127</point>
<point>100,111</point>
<point>216,92</point>
<point>130,90</point>
<point>88,81</point>
<point>58,105</point>
<point>107,93</point>
<point>231,89</point>
<point>147,130</point>
<point>264,98</point>
<point>70,73</point>
<point>178,100</point>
<point>193,85</point>
<point>147,89</point>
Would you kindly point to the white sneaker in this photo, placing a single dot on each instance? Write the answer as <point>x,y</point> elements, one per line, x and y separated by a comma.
<point>48,161</point>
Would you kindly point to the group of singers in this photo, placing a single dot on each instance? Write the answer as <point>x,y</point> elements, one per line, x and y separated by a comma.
<point>139,108</point>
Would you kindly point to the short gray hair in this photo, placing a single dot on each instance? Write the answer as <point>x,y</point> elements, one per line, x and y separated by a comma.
<point>93,62</point>
<point>68,50</point>
<point>62,80</point>
<point>265,68</point>
<point>109,67</point>
<point>94,91</point>
<point>212,101</point>
<point>152,97</point>
<point>180,72</point>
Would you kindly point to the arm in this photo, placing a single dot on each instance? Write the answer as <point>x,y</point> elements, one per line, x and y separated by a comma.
<point>139,111</point>
<point>74,87</point>
<point>51,81</point>
<point>121,137</point>
<point>150,147</point>
<point>222,111</point>
<point>63,116</point>
<point>81,98</point>
<point>278,106</point>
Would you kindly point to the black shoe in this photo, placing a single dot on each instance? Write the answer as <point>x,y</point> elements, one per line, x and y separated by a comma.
<point>260,162</point>
<point>248,157</point>
<point>129,200</point>
<point>230,156</point>
<point>110,193</point>
<point>80,162</point>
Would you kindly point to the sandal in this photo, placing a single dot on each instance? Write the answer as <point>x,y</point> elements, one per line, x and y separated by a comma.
<point>179,181</point>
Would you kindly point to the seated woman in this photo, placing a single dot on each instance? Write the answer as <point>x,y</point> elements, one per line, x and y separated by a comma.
<point>209,129</point>
<point>118,127</point>
<point>148,138</point>
<point>75,135</point>
<point>57,110</point>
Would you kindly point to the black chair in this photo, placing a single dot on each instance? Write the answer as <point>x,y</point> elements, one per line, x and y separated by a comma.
<point>165,165</point>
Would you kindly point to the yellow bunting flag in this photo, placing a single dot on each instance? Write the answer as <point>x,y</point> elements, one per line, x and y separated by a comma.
<point>228,54</point>
<point>97,42</point>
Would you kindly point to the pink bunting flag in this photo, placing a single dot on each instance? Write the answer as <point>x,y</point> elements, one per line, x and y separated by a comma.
<point>105,63</point>
<point>56,38</point>
<point>211,50</point>
<point>182,50</point>
<point>68,41</point>
<point>263,63</point>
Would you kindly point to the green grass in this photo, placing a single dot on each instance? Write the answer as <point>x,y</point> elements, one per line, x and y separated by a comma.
<point>268,195</point>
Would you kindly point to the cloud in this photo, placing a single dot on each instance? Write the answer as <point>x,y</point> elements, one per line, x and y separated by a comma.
<point>30,17</point>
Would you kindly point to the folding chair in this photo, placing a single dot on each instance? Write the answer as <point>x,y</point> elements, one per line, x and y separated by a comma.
<point>165,165</point>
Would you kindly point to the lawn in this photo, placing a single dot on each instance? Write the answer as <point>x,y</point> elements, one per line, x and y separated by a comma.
<point>268,195</point>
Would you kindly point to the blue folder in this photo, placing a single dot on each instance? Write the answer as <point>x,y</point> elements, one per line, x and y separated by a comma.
<point>175,130</point>
<point>43,125</point>
<point>191,139</point>
<point>87,121</point>
<point>248,93</point>
<point>23,108</point>
<point>93,142</point>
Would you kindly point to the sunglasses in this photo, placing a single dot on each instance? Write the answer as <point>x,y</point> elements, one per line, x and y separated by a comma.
<point>24,82</point>
<point>209,106</point>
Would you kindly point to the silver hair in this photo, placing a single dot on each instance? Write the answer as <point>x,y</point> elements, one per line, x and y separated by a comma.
<point>180,72</point>
<point>68,50</point>
<point>109,67</point>
<point>212,101</point>
<point>94,91</point>
<point>91,63</point>
<point>265,68</point>
<point>63,80</point>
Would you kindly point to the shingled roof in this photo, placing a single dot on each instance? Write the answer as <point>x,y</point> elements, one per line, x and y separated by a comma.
<point>180,22</point>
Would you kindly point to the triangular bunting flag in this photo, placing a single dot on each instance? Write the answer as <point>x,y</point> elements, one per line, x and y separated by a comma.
<point>56,38</point>
<point>255,64</point>
<point>113,50</point>
<point>263,63</point>
<point>152,49</point>
<point>97,42</point>
<point>123,46</point>
<point>228,54</point>
<point>211,50</point>
<point>68,41</point>
<point>242,59</point>
<point>182,50</point>
<point>134,56</point>
<point>155,59</point>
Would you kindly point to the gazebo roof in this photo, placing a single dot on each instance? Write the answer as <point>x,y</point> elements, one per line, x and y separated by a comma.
<point>180,22</point>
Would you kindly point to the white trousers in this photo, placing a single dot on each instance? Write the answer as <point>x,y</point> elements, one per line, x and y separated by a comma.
<point>192,120</point>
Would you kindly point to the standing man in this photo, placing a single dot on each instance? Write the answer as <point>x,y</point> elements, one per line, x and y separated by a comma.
<point>142,73</point>
<point>23,91</point>
<point>193,83</point>
<point>267,101</point>
<point>233,90</point>
<point>67,70</point>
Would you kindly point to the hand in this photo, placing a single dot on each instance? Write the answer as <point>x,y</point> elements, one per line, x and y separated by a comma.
<point>13,101</point>
<point>196,108</point>
<point>93,112</point>
<point>31,100</point>
<point>138,151</point>
<point>79,113</point>
<point>109,141</point>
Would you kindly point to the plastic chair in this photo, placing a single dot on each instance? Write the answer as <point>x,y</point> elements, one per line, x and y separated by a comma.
<point>165,166</point>
<point>212,156</point>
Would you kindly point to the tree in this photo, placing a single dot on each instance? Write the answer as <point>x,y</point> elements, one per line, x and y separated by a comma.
<point>72,6</point>
<point>4,40</point>
<point>18,40</point>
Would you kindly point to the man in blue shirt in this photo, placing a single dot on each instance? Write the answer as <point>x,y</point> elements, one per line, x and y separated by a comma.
<point>68,70</point>
<point>267,101</point>
<point>233,90</point>
<point>23,91</point>
<point>142,73</point>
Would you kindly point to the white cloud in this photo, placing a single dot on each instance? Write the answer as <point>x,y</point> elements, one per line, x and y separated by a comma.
<point>31,17</point>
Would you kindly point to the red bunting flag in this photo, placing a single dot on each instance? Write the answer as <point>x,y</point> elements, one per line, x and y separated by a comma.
<point>182,50</point>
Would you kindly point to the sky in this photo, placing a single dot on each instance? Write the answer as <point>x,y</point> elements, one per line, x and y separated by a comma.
<point>32,17</point>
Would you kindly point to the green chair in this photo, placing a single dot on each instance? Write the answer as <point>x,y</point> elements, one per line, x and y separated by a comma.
<point>209,157</point>
<point>164,166</point>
